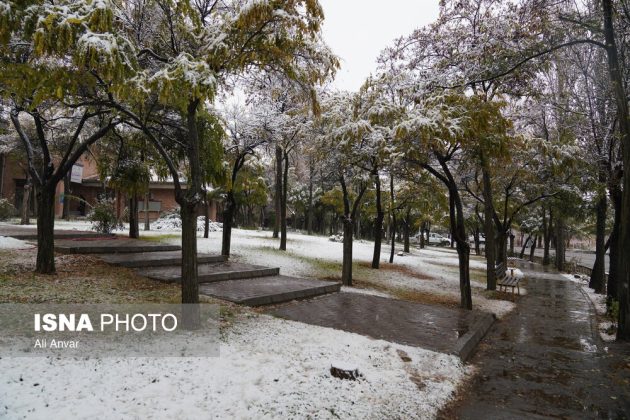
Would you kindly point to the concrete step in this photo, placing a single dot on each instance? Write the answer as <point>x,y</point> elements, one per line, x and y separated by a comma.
<point>209,273</point>
<point>110,246</point>
<point>258,291</point>
<point>30,233</point>
<point>155,259</point>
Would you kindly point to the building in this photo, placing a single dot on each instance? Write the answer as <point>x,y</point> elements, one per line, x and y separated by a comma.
<point>84,188</point>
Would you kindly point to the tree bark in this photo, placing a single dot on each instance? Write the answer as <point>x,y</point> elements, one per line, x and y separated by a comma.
<point>309,214</point>
<point>560,244</point>
<point>488,230</point>
<point>378,222</point>
<point>525,244</point>
<point>621,98</point>
<point>407,229</point>
<point>65,211</point>
<point>206,217</point>
<point>228,217</point>
<point>134,229</point>
<point>598,274</point>
<point>188,200</point>
<point>547,229</point>
<point>615,254</point>
<point>147,222</point>
<point>190,285</point>
<point>283,203</point>
<point>533,249</point>
<point>45,230</point>
<point>278,192</point>
<point>26,201</point>
<point>393,210</point>
<point>346,271</point>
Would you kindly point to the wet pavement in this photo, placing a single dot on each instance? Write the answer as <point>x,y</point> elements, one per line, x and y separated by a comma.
<point>546,360</point>
<point>432,327</point>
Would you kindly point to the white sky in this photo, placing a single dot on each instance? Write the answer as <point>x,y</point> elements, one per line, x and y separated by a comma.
<point>357,31</point>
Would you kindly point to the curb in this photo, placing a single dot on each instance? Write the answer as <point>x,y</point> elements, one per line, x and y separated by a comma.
<point>467,343</point>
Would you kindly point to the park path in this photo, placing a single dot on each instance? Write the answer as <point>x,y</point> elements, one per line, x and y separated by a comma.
<point>546,360</point>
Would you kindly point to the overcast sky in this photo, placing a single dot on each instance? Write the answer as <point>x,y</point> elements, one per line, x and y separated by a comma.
<point>357,31</point>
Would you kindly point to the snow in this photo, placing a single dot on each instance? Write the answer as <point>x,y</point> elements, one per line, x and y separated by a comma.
<point>12,243</point>
<point>599,302</point>
<point>173,222</point>
<point>431,270</point>
<point>267,368</point>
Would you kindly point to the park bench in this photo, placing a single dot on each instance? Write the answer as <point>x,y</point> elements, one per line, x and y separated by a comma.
<point>506,278</point>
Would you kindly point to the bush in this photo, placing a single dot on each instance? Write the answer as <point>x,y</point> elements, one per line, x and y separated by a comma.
<point>103,217</point>
<point>6,209</point>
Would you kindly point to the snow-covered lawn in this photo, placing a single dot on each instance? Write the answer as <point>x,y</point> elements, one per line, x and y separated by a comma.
<point>429,272</point>
<point>267,368</point>
<point>12,243</point>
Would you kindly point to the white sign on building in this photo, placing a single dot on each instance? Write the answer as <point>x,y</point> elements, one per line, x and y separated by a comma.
<point>77,174</point>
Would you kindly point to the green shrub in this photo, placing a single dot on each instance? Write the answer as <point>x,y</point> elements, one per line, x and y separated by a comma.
<point>103,217</point>
<point>6,209</point>
<point>613,310</point>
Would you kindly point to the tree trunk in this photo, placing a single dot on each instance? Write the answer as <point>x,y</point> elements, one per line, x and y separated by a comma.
<point>378,223</point>
<point>188,200</point>
<point>547,229</point>
<point>147,222</point>
<point>206,217</point>
<point>511,244</point>
<point>502,239</point>
<point>228,217</point>
<point>278,192</point>
<point>407,229</point>
<point>617,81</point>
<point>309,213</point>
<point>283,204</point>
<point>65,211</point>
<point>346,271</point>
<point>426,229</point>
<point>560,244</point>
<point>598,274</point>
<point>525,245</point>
<point>134,229</point>
<point>45,230</point>
<point>190,284</point>
<point>394,225</point>
<point>532,250</point>
<point>615,254</point>
<point>26,201</point>
<point>488,230</point>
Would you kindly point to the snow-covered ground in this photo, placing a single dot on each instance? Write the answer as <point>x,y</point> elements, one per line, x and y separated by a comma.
<point>267,368</point>
<point>431,270</point>
<point>12,243</point>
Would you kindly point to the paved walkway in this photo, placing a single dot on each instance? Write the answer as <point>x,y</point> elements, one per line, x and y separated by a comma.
<point>546,360</point>
<point>429,326</point>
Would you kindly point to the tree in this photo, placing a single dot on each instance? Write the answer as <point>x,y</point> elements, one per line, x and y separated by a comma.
<point>246,132</point>
<point>191,47</point>
<point>47,57</point>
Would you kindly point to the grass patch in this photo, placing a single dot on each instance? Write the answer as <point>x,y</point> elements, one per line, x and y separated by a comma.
<point>403,269</point>
<point>79,279</point>
<point>408,294</point>
<point>160,238</point>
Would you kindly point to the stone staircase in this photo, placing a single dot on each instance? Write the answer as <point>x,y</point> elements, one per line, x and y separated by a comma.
<point>246,284</point>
